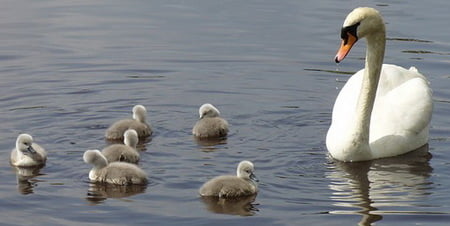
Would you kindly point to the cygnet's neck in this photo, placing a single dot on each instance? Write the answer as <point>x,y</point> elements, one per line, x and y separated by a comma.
<point>100,162</point>
<point>139,116</point>
<point>130,141</point>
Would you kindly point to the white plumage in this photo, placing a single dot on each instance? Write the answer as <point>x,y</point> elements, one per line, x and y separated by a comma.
<point>383,110</point>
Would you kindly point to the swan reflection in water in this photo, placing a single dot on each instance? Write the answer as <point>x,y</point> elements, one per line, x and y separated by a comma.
<point>26,178</point>
<point>234,206</point>
<point>383,186</point>
<point>99,192</point>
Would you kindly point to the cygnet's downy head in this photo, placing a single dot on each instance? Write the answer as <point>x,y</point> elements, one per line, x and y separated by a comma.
<point>95,157</point>
<point>208,110</point>
<point>130,138</point>
<point>140,113</point>
<point>245,170</point>
<point>24,144</point>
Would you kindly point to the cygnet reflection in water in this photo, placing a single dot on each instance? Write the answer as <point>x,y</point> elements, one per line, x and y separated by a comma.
<point>242,206</point>
<point>210,143</point>
<point>26,180</point>
<point>97,192</point>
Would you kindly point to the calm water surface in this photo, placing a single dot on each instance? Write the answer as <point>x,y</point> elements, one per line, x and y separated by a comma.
<point>69,69</point>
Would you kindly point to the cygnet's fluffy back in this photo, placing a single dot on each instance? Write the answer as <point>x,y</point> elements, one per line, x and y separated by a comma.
<point>228,186</point>
<point>120,173</point>
<point>124,152</point>
<point>210,124</point>
<point>138,123</point>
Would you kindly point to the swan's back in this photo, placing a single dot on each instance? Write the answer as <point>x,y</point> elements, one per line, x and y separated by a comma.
<point>228,186</point>
<point>407,95</point>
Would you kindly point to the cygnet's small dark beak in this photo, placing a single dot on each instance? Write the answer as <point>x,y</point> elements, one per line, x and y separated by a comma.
<point>31,150</point>
<point>254,178</point>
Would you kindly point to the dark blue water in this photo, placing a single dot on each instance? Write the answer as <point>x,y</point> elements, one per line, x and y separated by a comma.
<point>69,69</point>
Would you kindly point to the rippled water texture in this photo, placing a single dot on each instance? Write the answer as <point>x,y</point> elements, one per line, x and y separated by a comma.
<point>69,69</point>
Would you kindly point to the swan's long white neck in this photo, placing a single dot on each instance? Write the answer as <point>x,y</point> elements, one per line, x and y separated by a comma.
<point>376,43</point>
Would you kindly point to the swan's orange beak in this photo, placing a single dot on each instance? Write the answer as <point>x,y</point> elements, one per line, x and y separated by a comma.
<point>346,45</point>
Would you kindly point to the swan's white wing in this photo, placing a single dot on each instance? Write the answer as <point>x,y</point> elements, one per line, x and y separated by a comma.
<point>403,104</point>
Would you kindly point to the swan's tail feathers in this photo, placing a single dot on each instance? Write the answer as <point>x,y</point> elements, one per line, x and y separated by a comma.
<point>414,69</point>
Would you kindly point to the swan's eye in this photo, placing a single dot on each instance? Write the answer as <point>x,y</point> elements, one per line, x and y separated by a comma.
<point>349,30</point>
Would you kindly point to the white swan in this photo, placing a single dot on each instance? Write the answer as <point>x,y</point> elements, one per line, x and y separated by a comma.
<point>210,124</point>
<point>27,153</point>
<point>138,123</point>
<point>383,110</point>
<point>124,152</point>
<point>229,186</point>
<point>121,173</point>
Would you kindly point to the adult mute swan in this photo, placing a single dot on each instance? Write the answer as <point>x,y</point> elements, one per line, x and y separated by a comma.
<point>27,153</point>
<point>383,110</point>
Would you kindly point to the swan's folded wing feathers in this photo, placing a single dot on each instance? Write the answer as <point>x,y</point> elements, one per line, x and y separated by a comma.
<point>406,97</point>
<point>418,105</point>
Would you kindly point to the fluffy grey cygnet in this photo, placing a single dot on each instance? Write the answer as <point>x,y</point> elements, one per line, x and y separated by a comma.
<point>138,123</point>
<point>121,173</point>
<point>229,186</point>
<point>27,153</point>
<point>210,124</point>
<point>124,152</point>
